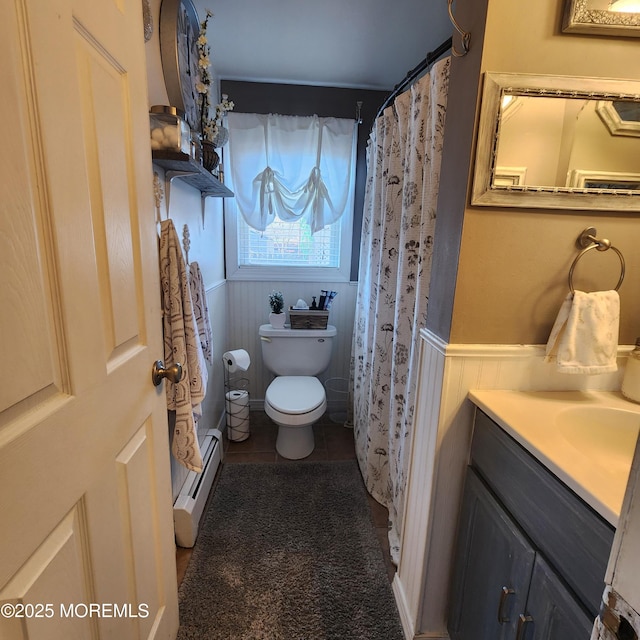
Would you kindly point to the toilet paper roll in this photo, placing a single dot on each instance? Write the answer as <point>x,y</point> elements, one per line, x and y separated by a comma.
<point>237,404</point>
<point>235,360</point>
<point>237,409</point>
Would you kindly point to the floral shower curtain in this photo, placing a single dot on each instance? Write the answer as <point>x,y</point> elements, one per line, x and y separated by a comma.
<point>398,226</point>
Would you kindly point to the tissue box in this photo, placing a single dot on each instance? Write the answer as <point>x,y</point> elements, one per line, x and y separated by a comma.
<point>308,319</point>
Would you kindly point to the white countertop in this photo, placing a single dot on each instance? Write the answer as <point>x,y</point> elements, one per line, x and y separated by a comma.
<point>586,438</point>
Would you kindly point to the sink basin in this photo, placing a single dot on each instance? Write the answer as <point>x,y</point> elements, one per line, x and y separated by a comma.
<point>601,429</point>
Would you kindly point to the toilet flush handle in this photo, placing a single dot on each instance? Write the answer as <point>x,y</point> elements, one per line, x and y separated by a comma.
<point>265,339</point>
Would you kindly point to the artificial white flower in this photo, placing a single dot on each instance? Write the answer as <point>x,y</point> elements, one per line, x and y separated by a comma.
<point>209,126</point>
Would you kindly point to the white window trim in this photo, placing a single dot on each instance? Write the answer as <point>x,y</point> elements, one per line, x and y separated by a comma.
<point>292,274</point>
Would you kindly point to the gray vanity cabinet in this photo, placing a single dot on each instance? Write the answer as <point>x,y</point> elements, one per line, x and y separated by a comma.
<point>530,556</point>
<point>493,576</point>
<point>552,612</point>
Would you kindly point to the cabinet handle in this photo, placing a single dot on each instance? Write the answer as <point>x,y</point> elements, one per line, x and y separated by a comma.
<point>522,623</point>
<point>503,599</point>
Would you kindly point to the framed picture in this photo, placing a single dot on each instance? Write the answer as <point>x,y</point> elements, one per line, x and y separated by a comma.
<point>601,17</point>
<point>622,118</point>
<point>510,176</point>
<point>604,180</point>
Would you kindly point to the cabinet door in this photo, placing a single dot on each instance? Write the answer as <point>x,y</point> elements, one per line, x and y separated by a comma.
<point>493,569</point>
<point>552,611</point>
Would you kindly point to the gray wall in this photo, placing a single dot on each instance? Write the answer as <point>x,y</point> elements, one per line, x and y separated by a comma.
<point>303,100</point>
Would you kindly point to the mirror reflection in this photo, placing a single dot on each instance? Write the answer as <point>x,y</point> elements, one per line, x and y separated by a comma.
<point>558,142</point>
<point>567,142</point>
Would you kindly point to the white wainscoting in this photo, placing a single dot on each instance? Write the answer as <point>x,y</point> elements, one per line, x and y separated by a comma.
<point>213,404</point>
<point>439,455</point>
<point>248,306</point>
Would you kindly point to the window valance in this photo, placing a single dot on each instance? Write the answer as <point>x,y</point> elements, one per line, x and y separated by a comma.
<point>291,166</point>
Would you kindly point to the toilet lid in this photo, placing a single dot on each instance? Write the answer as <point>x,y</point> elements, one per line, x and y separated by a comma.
<point>295,394</point>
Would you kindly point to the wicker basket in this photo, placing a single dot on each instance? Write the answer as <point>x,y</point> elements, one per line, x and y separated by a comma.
<point>307,319</point>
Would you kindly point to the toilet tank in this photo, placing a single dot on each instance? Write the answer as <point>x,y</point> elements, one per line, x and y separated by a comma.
<point>296,352</point>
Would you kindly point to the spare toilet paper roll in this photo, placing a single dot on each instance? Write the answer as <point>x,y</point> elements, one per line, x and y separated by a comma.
<point>236,359</point>
<point>237,408</point>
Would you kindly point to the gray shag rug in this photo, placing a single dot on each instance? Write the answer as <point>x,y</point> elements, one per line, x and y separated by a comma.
<point>288,552</point>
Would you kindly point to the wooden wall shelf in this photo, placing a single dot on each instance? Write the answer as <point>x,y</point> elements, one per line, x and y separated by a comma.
<point>180,165</point>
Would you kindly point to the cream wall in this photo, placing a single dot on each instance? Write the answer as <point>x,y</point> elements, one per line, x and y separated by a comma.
<point>536,147</point>
<point>513,263</point>
<point>595,147</point>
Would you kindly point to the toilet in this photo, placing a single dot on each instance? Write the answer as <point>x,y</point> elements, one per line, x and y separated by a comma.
<point>295,399</point>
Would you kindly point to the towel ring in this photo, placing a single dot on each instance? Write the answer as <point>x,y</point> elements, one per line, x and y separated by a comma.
<point>599,247</point>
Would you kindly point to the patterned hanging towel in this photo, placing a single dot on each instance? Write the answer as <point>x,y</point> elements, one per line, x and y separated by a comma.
<point>181,344</point>
<point>201,310</point>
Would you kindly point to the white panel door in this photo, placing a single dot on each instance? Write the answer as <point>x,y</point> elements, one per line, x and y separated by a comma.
<point>620,609</point>
<point>85,495</point>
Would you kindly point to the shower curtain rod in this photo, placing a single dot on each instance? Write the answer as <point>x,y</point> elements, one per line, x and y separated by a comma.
<point>431,57</point>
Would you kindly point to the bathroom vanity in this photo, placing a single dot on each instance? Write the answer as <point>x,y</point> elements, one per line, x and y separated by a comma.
<point>543,492</point>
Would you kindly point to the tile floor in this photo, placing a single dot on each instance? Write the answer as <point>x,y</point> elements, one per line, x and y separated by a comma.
<point>333,440</point>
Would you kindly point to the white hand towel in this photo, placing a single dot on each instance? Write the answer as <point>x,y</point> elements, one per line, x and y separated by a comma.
<point>585,334</point>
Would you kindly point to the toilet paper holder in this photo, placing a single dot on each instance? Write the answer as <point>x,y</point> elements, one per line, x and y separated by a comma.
<point>237,398</point>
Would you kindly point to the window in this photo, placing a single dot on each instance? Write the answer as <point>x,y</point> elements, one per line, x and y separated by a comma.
<point>292,216</point>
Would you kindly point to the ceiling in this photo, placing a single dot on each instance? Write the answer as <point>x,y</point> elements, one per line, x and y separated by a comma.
<point>369,44</point>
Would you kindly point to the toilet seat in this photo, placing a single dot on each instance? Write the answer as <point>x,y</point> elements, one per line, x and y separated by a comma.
<point>295,395</point>
<point>295,403</point>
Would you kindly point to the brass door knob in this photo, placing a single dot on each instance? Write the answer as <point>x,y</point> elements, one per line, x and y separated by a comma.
<point>172,373</point>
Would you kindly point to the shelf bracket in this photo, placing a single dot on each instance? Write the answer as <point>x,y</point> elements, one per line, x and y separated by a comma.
<point>203,204</point>
<point>203,199</point>
<point>169,176</point>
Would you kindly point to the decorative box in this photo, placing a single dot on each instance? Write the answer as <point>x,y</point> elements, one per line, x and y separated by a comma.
<point>307,319</point>
<point>169,130</point>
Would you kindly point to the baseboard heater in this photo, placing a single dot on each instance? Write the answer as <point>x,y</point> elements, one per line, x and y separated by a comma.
<point>189,505</point>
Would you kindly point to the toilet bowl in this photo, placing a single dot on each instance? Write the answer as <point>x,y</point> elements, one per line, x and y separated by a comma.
<point>295,403</point>
<point>295,399</point>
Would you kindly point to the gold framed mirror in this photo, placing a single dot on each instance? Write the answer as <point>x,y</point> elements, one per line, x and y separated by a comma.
<point>602,17</point>
<point>558,142</point>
